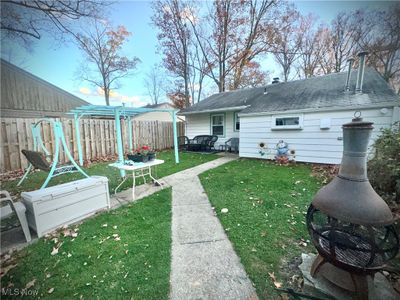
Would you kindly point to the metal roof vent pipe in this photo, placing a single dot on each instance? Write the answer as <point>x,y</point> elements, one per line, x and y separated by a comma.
<point>275,80</point>
<point>360,74</point>
<point>350,62</point>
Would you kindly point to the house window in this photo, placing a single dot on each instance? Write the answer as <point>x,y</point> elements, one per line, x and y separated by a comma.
<point>236,122</point>
<point>217,124</point>
<point>287,122</point>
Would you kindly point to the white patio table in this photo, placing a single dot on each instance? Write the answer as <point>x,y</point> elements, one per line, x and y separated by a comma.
<point>138,170</point>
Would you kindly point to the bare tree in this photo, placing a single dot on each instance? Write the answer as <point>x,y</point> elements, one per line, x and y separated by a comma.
<point>343,39</point>
<point>25,21</point>
<point>199,69</point>
<point>287,40</point>
<point>230,39</point>
<point>256,28</point>
<point>155,84</point>
<point>313,47</point>
<point>378,32</point>
<point>175,39</point>
<point>215,42</point>
<point>102,46</point>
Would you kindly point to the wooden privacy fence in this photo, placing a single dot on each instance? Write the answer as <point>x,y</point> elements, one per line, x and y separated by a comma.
<point>98,138</point>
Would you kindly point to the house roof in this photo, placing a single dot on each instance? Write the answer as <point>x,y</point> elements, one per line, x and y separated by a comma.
<point>159,105</point>
<point>24,94</point>
<point>323,92</point>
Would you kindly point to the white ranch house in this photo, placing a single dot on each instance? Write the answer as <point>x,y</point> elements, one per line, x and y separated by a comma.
<point>307,114</point>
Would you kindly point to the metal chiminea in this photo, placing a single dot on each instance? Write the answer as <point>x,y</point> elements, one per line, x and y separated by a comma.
<point>350,225</point>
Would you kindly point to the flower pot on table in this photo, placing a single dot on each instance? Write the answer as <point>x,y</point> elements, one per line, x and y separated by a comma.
<point>151,156</point>
<point>138,157</point>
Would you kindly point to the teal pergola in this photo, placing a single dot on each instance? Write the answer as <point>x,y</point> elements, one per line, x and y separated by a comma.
<point>117,112</point>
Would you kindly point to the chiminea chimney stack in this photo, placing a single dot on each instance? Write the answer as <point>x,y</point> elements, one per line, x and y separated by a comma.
<point>350,62</point>
<point>360,74</point>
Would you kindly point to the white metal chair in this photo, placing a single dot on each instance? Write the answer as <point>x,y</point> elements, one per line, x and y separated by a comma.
<point>14,207</point>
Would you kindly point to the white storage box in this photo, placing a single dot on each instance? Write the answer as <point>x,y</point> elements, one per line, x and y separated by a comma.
<point>63,204</point>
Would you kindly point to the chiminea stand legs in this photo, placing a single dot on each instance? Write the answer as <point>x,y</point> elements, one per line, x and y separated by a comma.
<point>359,281</point>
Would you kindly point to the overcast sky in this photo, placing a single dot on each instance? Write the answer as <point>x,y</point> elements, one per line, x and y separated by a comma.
<point>58,65</point>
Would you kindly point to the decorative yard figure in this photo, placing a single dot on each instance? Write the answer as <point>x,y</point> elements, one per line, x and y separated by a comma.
<point>262,148</point>
<point>282,150</point>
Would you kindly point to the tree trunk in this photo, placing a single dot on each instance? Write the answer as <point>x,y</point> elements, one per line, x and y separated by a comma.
<point>107,97</point>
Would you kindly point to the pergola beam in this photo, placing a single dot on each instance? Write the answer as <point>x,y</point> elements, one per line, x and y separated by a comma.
<point>117,112</point>
<point>120,148</point>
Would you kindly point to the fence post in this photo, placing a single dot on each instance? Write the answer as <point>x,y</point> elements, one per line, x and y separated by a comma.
<point>120,148</point>
<point>78,138</point>
<point>130,133</point>
<point>175,137</point>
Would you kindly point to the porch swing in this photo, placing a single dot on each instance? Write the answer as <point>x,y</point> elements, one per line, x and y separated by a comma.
<point>39,160</point>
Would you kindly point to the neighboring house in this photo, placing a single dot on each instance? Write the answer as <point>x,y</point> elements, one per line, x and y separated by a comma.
<point>24,95</point>
<point>158,115</point>
<point>307,114</point>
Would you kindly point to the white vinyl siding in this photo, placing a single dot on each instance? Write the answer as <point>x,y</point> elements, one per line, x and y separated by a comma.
<point>199,124</point>
<point>312,144</point>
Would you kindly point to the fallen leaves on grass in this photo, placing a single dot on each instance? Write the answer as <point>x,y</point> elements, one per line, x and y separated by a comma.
<point>325,173</point>
<point>55,251</point>
<point>4,270</point>
<point>12,175</point>
<point>274,281</point>
<point>303,242</point>
<point>30,284</point>
<point>56,248</point>
<point>70,232</point>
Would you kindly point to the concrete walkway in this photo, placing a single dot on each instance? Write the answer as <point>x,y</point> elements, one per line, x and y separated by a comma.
<point>204,264</point>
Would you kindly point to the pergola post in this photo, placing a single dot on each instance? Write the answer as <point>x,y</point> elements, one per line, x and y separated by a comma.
<point>130,133</point>
<point>78,139</point>
<point>175,137</point>
<point>120,148</point>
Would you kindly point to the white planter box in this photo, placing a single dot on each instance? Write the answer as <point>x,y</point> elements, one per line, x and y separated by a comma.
<point>63,204</point>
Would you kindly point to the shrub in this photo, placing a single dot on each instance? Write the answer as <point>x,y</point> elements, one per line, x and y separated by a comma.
<point>384,167</point>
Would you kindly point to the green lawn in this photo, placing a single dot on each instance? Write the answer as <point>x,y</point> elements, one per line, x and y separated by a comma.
<point>187,160</point>
<point>265,222</point>
<point>121,254</point>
